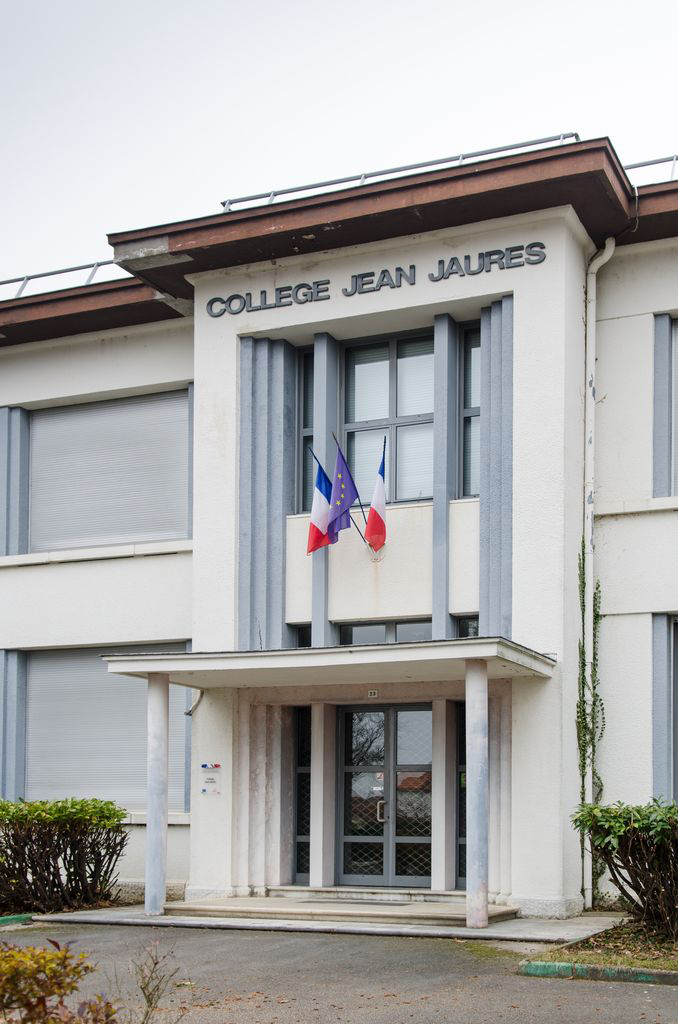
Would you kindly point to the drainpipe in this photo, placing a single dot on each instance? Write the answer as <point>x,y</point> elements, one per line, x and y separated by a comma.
<point>598,260</point>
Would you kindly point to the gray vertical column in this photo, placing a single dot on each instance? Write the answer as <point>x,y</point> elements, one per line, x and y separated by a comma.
<point>662,709</point>
<point>266,491</point>
<point>496,468</point>
<point>14,466</point>
<point>662,425</point>
<point>189,521</point>
<point>325,420</point>
<point>445,462</point>
<point>13,725</point>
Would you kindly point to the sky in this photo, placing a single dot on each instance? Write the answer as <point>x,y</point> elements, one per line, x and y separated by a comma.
<point>129,113</point>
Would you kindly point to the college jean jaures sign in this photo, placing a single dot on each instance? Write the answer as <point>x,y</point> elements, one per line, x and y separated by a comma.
<point>375,280</point>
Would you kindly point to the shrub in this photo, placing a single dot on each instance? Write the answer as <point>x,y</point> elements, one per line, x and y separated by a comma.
<point>35,982</point>
<point>60,854</point>
<point>639,846</point>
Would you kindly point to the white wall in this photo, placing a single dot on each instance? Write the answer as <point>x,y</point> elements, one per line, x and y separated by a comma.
<point>102,602</point>
<point>132,865</point>
<point>637,562</point>
<point>90,366</point>
<point>388,589</point>
<point>398,584</point>
<point>547,523</point>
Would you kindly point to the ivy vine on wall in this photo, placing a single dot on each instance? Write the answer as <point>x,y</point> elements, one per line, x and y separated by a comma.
<point>590,715</point>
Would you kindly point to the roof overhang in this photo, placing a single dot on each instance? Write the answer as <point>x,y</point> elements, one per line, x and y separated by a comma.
<point>586,175</point>
<point>425,662</point>
<point>94,307</point>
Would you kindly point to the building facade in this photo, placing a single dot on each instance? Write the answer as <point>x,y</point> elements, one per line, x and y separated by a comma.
<point>405,720</point>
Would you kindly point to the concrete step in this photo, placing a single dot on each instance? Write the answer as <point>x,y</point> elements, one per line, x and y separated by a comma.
<point>355,893</point>
<point>264,908</point>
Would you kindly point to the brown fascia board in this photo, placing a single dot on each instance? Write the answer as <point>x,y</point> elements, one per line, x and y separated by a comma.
<point>97,307</point>
<point>586,175</point>
<point>657,214</point>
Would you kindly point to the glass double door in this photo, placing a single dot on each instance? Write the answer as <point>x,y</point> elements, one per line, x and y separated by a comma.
<point>385,796</point>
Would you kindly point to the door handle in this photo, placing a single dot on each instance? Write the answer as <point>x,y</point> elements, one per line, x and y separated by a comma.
<point>380,817</point>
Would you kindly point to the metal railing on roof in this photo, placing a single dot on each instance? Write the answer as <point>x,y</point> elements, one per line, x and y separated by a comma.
<point>653,163</point>
<point>360,179</point>
<point>23,281</point>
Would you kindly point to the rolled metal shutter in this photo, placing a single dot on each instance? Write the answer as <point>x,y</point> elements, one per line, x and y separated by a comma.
<point>109,472</point>
<point>86,730</point>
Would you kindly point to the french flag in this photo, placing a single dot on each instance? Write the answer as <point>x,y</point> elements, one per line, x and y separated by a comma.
<point>375,531</point>
<point>318,533</point>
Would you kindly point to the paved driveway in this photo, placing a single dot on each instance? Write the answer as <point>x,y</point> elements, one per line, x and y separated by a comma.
<point>286,978</point>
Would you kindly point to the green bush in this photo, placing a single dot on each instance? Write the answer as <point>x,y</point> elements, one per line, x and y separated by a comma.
<point>34,984</point>
<point>59,854</point>
<point>639,847</point>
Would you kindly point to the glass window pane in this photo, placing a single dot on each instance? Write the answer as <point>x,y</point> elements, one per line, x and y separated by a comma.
<point>415,377</point>
<point>363,858</point>
<point>412,631</point>
<point>413,804</point>
<point>413,860</point>
<point>471,455</point>
<point>303,858</point>
<point>366,383</point>
<point>307,475</point>
<point>372,633</point>
<point>472,371</point>
<point>414,455</point>
<point>364,458</point>
<point>467,625</point>
<point>307,390</point>
<point>303,824</point>
<point>363,793</point>
<point>303,738</point>
<point>364,738</point>
<point>415,737</point>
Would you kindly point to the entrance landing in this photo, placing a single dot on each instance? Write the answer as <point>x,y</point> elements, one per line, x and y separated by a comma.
<point>392,913</point>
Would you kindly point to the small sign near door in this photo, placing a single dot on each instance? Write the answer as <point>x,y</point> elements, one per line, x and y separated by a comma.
<point>210,783</point>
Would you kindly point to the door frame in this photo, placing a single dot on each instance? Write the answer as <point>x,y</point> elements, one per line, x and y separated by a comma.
<point>390,768</point>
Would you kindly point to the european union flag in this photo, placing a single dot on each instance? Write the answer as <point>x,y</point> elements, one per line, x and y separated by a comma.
<point>344,493</point>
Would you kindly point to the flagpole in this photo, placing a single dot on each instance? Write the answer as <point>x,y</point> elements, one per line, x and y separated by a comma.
<point>352,481</point>
<point>351,517</point>
<point>316,459</point>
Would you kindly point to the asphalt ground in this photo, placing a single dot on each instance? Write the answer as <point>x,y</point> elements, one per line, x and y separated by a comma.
<point>237,977</point>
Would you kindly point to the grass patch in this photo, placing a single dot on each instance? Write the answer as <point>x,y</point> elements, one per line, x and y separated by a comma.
<point>482,949</point>
<point>625,945</point>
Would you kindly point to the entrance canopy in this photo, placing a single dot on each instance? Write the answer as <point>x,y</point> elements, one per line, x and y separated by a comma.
<point>429,661</point>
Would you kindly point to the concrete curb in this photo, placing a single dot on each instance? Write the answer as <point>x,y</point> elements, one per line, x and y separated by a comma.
<point>15,919</point>
<point>596,972</point>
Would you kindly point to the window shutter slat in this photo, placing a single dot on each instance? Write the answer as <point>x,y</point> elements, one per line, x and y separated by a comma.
<point>86,730</point>
<point>109,472</point>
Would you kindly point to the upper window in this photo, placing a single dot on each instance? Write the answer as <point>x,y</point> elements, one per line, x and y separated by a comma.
<point>110,472</point>
<point>388,392</point>
<point>470,401</point>
<point>306,429</point>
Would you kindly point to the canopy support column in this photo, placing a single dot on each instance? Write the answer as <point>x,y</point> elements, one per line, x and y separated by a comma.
<point>477,793</point>
<point>156,788</point>
<point>323,788</point>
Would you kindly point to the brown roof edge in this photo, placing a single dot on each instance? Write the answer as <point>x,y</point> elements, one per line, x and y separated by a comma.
<point>470,170</point>
<point>586,175</point>
<point>72,311</point>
